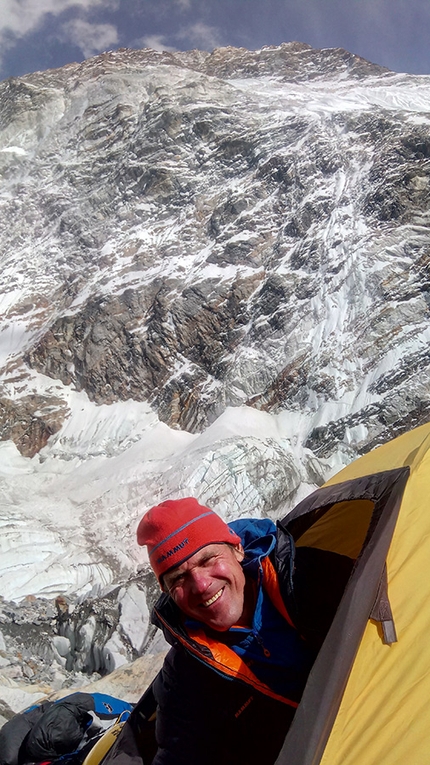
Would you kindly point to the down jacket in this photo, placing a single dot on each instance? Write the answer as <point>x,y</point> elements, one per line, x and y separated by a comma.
<point>207,716</point>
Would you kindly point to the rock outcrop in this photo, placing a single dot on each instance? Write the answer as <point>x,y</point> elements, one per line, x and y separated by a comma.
<point>30,421</point>
<point>48,645</point>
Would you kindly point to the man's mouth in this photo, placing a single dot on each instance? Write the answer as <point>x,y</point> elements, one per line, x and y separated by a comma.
<point>207,603</point>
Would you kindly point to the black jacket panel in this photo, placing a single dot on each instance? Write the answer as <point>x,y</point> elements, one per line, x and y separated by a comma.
<point>205,718</point>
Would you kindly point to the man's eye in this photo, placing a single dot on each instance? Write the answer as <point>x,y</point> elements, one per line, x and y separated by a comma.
<point>176,583</point>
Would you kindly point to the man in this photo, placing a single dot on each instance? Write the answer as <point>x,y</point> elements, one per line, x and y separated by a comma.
<point>243,643</point>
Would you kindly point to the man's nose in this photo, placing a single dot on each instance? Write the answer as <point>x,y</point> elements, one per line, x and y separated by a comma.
<point>200,580</point>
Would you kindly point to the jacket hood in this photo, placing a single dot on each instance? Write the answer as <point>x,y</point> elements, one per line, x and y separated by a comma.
<point>258,536</point>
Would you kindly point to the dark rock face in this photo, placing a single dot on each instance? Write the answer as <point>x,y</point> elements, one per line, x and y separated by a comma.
<point>98,351</point>
<point>293,61</point>
<point>217,229</point>
<point>30,421</point>
<point>400,177</point>
<point>383,423</point>
<point>26,631</point>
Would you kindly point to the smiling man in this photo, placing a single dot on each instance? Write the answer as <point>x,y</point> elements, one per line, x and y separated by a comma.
<point>241,646</point>
<point>211,587</point>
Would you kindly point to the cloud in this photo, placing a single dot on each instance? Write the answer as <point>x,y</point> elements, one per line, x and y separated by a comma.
<point>156,42</point>
<point>19,17</point>
<point>90,38</point>
<point>197,35</point>
<point>200,35</point>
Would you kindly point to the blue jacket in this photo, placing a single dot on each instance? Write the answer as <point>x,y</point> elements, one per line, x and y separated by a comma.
<point>213,710</point>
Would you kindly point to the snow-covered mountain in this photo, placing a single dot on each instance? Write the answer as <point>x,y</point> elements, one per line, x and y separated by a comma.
<point>215,281</point>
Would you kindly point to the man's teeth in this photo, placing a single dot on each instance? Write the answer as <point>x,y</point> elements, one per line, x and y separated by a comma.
<point>215,597</point>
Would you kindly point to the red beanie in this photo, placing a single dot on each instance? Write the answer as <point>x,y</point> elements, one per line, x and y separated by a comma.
<point>178,528</point>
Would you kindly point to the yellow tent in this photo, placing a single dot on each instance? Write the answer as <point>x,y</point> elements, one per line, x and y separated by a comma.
<point>367,701</point>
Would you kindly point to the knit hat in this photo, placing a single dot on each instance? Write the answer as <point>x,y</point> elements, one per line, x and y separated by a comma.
<point>178,528</point>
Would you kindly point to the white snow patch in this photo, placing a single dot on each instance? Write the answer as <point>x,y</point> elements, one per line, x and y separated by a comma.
<point>114,653</point>
<point>14,150</point>
<point>135,617</point>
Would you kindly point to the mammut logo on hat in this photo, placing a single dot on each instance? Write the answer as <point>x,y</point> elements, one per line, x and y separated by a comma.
<point>173,550</point>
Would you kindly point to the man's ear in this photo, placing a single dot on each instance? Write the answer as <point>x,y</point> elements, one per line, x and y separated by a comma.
<point>239,552</point>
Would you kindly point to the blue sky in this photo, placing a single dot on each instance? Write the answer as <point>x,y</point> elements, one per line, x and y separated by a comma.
<point>41,34</point>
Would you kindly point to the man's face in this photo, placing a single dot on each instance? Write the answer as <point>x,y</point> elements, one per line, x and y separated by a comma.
<point>210,586</point>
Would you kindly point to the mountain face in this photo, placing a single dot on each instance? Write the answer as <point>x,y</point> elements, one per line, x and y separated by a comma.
<point>215,281</point>
<point>202,231</point>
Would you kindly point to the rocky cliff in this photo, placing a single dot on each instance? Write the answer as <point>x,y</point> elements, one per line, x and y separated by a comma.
<point>200,231</point>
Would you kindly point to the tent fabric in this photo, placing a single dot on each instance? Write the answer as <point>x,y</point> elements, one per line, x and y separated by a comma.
<point>384,718</point>
<point>307,736</point>
<point>366,702</point>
